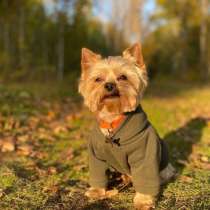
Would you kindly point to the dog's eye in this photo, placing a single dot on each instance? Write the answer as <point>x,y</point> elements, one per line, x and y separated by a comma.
<point>98,79</point>
<point>122,77</point>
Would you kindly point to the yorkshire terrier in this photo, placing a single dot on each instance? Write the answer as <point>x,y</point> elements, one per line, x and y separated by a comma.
<point>123,138</point>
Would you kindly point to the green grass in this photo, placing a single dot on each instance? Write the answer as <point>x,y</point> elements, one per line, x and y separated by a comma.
<point>53,173</point>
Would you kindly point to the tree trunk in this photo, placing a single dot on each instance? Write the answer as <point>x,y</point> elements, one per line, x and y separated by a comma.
<point>21,37</point>
<point>6,37</point>
<point>205,69</point>
<point>60,48</point>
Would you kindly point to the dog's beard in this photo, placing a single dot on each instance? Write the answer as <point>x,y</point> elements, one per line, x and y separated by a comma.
<point>125,101</point>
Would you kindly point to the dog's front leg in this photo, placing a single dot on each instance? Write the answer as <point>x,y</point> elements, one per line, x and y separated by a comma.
<point>98,178</point>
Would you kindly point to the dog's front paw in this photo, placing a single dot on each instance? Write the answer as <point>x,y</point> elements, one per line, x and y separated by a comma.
<point>100,193</point>
<point>144,202</point>
<point>96,193</point>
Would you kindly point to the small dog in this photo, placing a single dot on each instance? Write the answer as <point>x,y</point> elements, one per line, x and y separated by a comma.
<point>123,138</point>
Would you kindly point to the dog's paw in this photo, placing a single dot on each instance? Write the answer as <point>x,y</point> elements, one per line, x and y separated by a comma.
<point>96,193</point>
<point>144,202</point>
<point>100,193</point>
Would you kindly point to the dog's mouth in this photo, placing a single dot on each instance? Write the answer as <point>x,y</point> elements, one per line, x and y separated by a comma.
<point>113,95</point>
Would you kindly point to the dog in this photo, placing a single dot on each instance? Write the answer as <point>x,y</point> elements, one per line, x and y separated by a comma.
<point>123,138</point>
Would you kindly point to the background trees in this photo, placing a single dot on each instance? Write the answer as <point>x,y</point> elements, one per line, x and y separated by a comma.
<point>41,40</point>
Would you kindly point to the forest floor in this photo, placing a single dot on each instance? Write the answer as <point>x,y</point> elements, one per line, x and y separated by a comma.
<point>43,156</point>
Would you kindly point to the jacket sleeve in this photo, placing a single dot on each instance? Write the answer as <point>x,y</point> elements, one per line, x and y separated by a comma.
<point>145,168</point>
<point>97,170</point>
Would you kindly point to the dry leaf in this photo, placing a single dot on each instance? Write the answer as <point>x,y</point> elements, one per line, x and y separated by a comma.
<point>204,159</point>
<point>52,170</point>
<point>182,162</point>
<point>50,115</point>
<point>22,138</point>
<point>33,122</point>
<point>1,192</point>
<point>24,150</point>
<point>186,179</point>
<point>7,145</point>
<point>59,129</point>
<point>51,189</point>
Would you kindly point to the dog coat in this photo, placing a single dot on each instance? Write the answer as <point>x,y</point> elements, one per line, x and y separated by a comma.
<point>135,149</point>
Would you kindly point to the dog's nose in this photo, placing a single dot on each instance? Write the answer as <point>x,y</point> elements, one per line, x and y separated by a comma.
<point>109,86</point>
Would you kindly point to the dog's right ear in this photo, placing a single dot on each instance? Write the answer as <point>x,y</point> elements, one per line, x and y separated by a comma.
<point>88,58</point>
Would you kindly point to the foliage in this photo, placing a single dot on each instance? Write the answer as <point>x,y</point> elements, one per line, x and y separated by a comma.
<point>37,43</point>
<point>174,45</point>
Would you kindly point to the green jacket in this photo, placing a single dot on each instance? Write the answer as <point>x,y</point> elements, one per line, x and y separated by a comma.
<point>136,150</point>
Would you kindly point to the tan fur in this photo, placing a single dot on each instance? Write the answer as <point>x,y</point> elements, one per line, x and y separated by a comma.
<point>96,72</point>
<point>108,70</point>
<point>144,202</point>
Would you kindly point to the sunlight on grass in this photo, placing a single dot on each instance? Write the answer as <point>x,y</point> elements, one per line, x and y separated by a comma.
<point>47,168</point>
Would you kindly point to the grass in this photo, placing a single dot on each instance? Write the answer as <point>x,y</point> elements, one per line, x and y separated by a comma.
<point>47,166</point>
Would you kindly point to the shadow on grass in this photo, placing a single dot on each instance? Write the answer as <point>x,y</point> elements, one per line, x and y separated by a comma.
<point>181,140</point>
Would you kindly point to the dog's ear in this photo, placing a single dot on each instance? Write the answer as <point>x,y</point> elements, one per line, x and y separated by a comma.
<point>135,53</point>
<point>88,58</point>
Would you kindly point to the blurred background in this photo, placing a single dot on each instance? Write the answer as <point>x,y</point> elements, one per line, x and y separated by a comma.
<point>43,126</point>
<point>41,40</point>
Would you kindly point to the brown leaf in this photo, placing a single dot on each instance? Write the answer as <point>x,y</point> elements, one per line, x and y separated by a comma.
<point>186,179</point>
<point>204,159</point>
<point>1,192</point>
<point>205,166</point>
<point>39,155</point>
<point>182,162</point>
<point>67,155</point>
<point>51,189</point>
<point>51,115</point>
<point>7,145</point>
<point>52,170</point>
<point>59,129</point>
<point>22,138</point>
<point>24,150</point>
<point>33,122</point>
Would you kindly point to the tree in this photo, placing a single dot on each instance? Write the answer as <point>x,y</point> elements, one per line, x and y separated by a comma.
<point>205,68</point>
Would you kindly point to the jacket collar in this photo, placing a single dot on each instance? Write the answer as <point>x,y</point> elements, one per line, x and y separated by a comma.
<point>133,124</point>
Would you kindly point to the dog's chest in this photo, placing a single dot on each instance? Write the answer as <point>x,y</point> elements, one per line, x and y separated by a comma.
<point>105,131</point>
<point>114,155</point>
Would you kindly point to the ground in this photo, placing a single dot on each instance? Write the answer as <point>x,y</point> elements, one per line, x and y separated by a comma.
<point>43,158</point>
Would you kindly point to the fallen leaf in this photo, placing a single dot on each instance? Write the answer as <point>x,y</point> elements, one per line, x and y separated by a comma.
<point>204,159</point>
<point>22,138</point>
<point>60,129</point>
<point>7,145</point>
<point>1,192</point>
<point>50,115</point>
<point>67,155</point>
<point>186,179</point>
<point>182,162</point>
<point>50,189</point>
<point>52,170</point>
<point>24,150</point>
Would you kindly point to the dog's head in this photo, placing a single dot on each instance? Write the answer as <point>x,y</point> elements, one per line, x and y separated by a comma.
<point>114,83</point>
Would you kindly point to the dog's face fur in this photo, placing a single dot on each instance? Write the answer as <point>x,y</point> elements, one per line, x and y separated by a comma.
<point>113,84</point>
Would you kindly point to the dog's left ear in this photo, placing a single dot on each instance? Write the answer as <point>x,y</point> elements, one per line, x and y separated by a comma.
<point>135,53</point>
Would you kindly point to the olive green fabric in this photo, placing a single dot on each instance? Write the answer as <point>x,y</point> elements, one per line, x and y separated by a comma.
<point>138,151</point>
